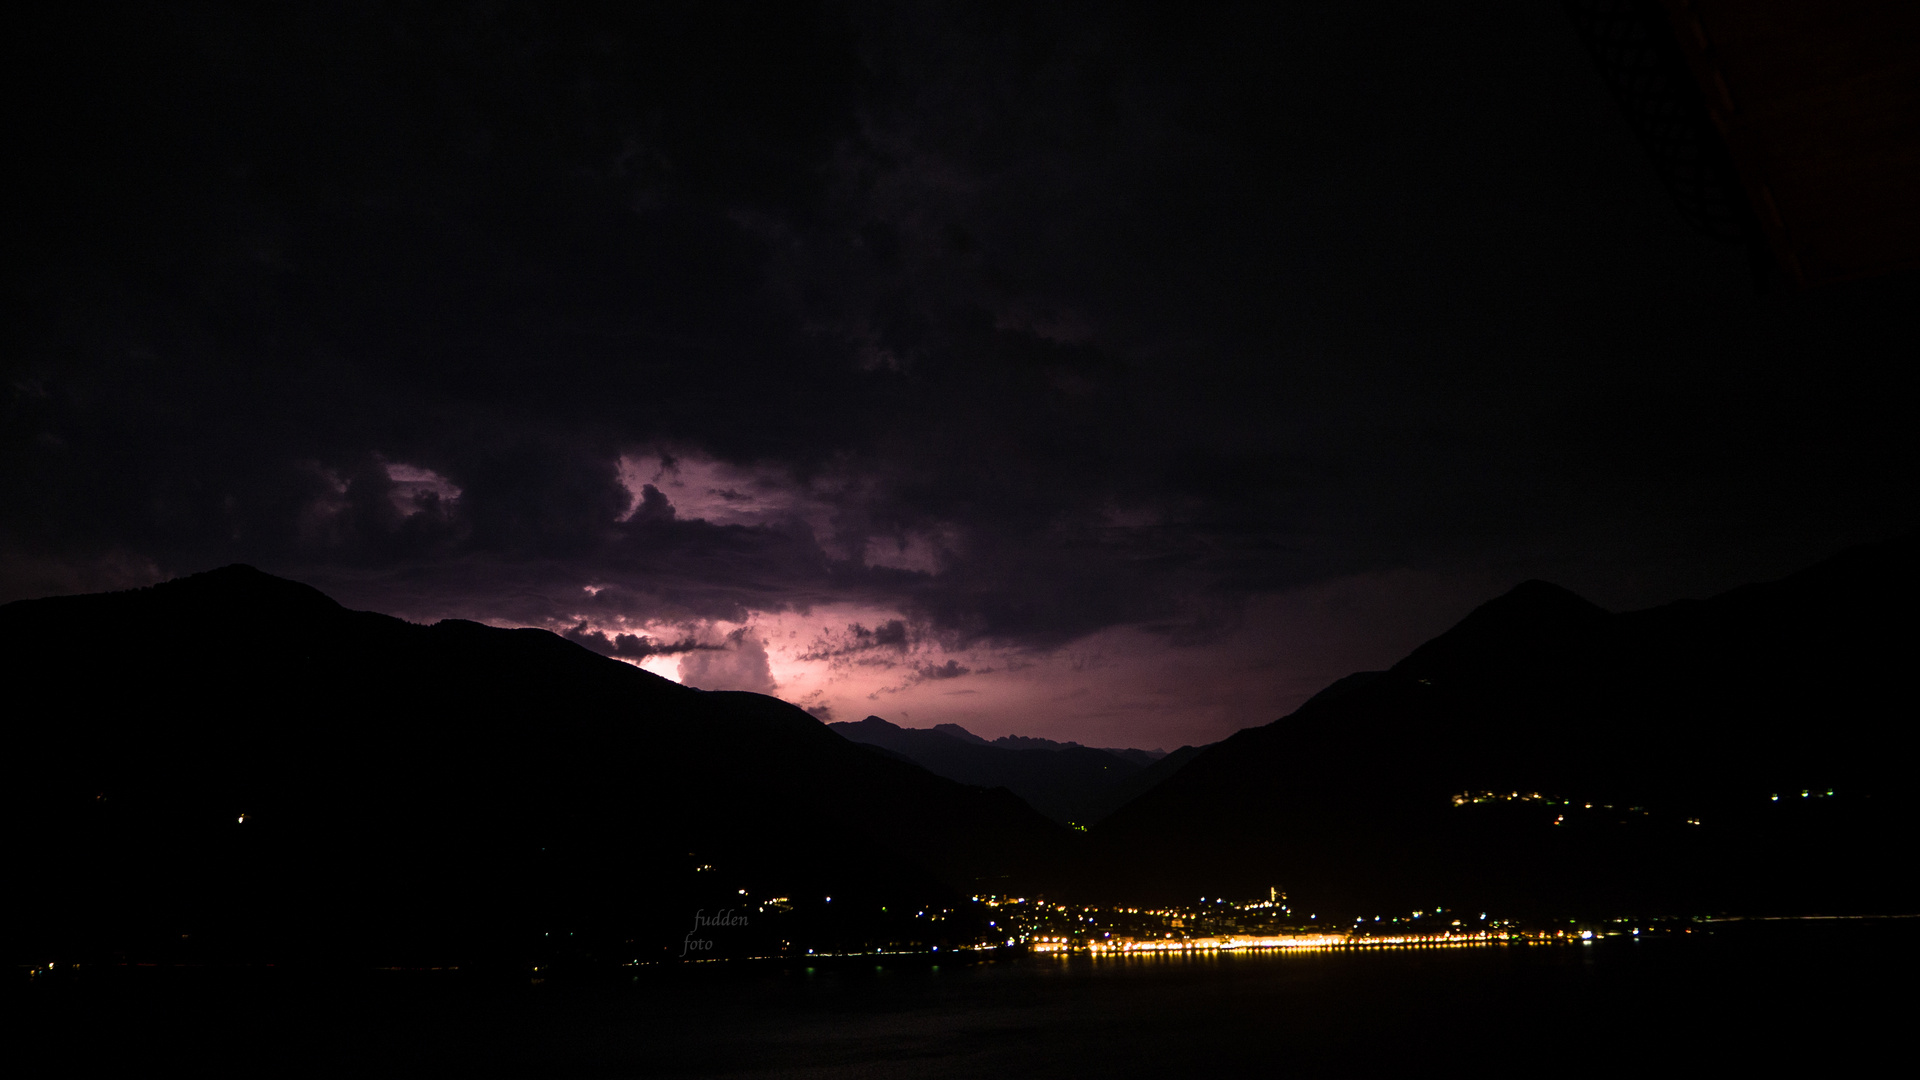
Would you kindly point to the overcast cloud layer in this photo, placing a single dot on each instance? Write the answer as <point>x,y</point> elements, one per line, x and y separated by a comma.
<point>1094,372</point>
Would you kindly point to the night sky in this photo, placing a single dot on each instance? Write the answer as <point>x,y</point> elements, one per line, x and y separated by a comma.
<point>1119,374</point>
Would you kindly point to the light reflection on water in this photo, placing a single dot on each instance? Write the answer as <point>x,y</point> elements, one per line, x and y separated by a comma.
<point>1589,1008</point>
<point>1770,1001</point>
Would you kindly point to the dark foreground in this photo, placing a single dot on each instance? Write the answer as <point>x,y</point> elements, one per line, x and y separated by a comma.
<point>1830,998</point>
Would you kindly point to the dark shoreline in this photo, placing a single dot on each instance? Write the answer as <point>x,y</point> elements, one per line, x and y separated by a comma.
<point>1762,992</point>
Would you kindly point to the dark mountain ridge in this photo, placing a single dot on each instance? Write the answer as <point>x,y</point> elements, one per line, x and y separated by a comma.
<point>439,791</point>
<point>1070,783</point>
<point>1697,711</point>
<point>1139,757</point>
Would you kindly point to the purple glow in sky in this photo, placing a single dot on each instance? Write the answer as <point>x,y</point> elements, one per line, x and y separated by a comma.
<point>1123,374</point>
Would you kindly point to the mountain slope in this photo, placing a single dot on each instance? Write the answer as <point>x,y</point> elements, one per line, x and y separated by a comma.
<point>1697,711</point>
<point>445,789</point>
<point>1132,787</point>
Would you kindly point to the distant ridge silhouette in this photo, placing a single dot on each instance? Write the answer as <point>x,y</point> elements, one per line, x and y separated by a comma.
<point>1070,783</point>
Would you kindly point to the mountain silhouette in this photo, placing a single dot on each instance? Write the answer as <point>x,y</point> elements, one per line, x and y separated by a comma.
<point>232,766</point>
<point>1632,728</point>
<point>236,761</point>
<point>1070,783</point>
<point>1142,758</point>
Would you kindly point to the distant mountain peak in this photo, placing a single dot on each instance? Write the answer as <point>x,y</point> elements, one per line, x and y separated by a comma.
<point>872,724</point>
<point>1031,742</point>
<point>235,590</point>
<point>1534,595</point>
<point>240,579</point>
<point>1532,606</point>
<point>1523,625</point>
<point>232,571</point>
<point>960,733</point>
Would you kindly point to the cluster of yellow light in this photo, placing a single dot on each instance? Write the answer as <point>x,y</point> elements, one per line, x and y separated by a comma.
<point>1467,797</point>
<point>1262,943</point>
<point>896,951</point>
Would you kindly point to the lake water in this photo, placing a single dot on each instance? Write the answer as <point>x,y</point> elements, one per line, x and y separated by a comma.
<point>1814,999</point>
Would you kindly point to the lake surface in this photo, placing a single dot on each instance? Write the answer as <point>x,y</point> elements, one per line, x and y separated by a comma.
<point>1820,998</point>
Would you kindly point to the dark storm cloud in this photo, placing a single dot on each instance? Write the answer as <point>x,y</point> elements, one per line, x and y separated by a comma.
<point>949,670</point>
<point>890,635</point>
<point>1039,320</point>
<point>630,646</point>
<point>653,505</point>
